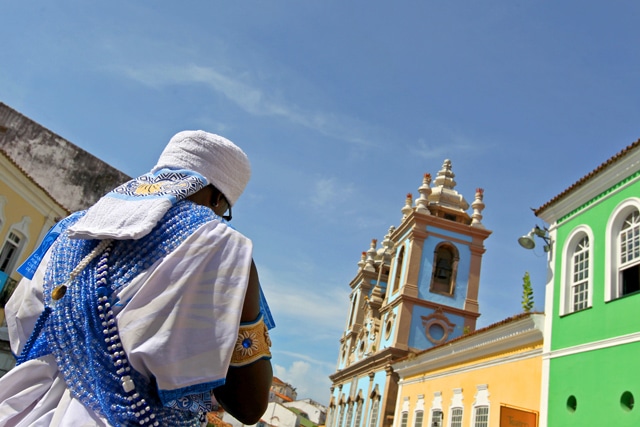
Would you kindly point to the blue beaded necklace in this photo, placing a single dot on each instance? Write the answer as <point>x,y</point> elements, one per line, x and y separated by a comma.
<point>80,329</point>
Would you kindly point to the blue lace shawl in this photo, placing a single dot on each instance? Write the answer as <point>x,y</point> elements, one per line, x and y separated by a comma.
<point>71,330</point>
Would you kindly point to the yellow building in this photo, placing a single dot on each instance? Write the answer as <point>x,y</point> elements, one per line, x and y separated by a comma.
<point>27,212</point>
<point>488,378</point>
<point>43,178</point>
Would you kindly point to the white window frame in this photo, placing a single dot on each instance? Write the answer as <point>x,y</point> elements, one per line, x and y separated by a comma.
<point>459,420</point>
<point>3,202</point>
<point>21,230</point>
<point>475,422</point>
<point>456,403</point>
<point>404,413</point>
<point>431,420</point>
<point>617,218</point>
<point>481,401</point>
<point>404,419</point>
<point>566,305</point>
<point>436,405</point>
<point>628,244</point>
<point>419,409</point>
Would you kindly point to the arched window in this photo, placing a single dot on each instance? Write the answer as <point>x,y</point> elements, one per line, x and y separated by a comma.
<point>404,415</point>
<point>10,251</point>
<point>629,247</point>
<point>341,415</point>
<point>349,414</point>
<point>329,419</point>
<point>358,419</point>
<point>456,417</point>
<point>456,411</point>
<point>354,297</point>
<point>418,413</point>
<point>481,416</point>
<point>481,407</point>
<point>623,250</point>
<point>13,245</point>
<point>398,269</point>
<point>577,289</point>
<point>436,417</point>
<point>403,419</point>
<point>3,202</point>
<point>580,275</point>
<point>445,267</point>
<point>375,409</point>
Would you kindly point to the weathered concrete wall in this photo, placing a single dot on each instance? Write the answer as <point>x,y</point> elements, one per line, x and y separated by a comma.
<point>72,176</point>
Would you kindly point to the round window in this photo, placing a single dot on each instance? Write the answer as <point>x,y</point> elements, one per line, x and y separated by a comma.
<point>387,329</point>
<point>436,331</point>
<point>627,401</point>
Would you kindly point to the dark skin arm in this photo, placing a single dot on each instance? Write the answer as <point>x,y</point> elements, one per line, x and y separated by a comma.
<point>245,394</point>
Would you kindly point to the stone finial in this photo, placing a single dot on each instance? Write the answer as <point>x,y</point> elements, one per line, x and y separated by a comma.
<point>362,260</point>
<point>425,191</point>
<point>445,176</point>
<point>478,206</point>
<point>387,243</point>
<point>443,193</point>
<point>376,297</point>
<point>407,209</point>
<point>370,258</point>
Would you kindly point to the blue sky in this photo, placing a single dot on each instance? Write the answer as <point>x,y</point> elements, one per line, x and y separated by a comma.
<point>342,106</point>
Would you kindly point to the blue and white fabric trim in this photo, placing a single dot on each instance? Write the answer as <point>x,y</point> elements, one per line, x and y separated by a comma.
<point>133,209</point>
<point>29,267</point>
<point>171,184</point>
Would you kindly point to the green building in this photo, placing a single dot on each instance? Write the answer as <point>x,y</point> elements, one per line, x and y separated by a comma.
<point>593,298</point>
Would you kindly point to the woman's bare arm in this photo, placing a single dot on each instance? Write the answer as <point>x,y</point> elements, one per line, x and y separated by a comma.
<point>245,394</point>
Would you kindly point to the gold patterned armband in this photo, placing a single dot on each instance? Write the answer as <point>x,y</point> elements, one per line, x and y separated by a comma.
<point>253,343</point>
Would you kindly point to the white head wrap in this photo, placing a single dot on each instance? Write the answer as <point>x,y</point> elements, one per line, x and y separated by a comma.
<point>190,161</point>
<point>216,158</point>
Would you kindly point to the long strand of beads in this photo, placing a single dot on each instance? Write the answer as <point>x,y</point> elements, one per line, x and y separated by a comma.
<point>138,405</point>
<point>59,291</point>
<point>24,354</point>
<point>74,333</point>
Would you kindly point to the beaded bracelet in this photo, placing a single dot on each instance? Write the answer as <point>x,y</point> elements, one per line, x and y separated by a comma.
<point>252,344</point>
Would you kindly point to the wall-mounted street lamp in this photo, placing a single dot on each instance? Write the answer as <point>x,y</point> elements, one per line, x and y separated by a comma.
<point>528,242</point>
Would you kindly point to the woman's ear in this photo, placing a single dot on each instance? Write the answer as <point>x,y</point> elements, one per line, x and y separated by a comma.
<point>202,197</point>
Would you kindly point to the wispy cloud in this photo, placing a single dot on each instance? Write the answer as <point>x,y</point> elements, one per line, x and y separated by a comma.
<point>451,145</point>
<point>292,299</point>
<point>238,88</point>
<point>320,363</point>
<point>333,196</point>
<point>310,381</point>
<point>329,191</point>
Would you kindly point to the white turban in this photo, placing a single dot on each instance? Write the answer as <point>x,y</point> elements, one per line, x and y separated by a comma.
<point>216,158</point>
<point>190,161</point>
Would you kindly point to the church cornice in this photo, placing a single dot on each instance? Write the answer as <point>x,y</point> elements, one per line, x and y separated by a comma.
<point>418,225</point>
<point>428,304</point>
<point>364,277</point>
<point>378,361</point>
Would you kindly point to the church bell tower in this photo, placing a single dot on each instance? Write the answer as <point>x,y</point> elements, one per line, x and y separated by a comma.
<point>417,289</point>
